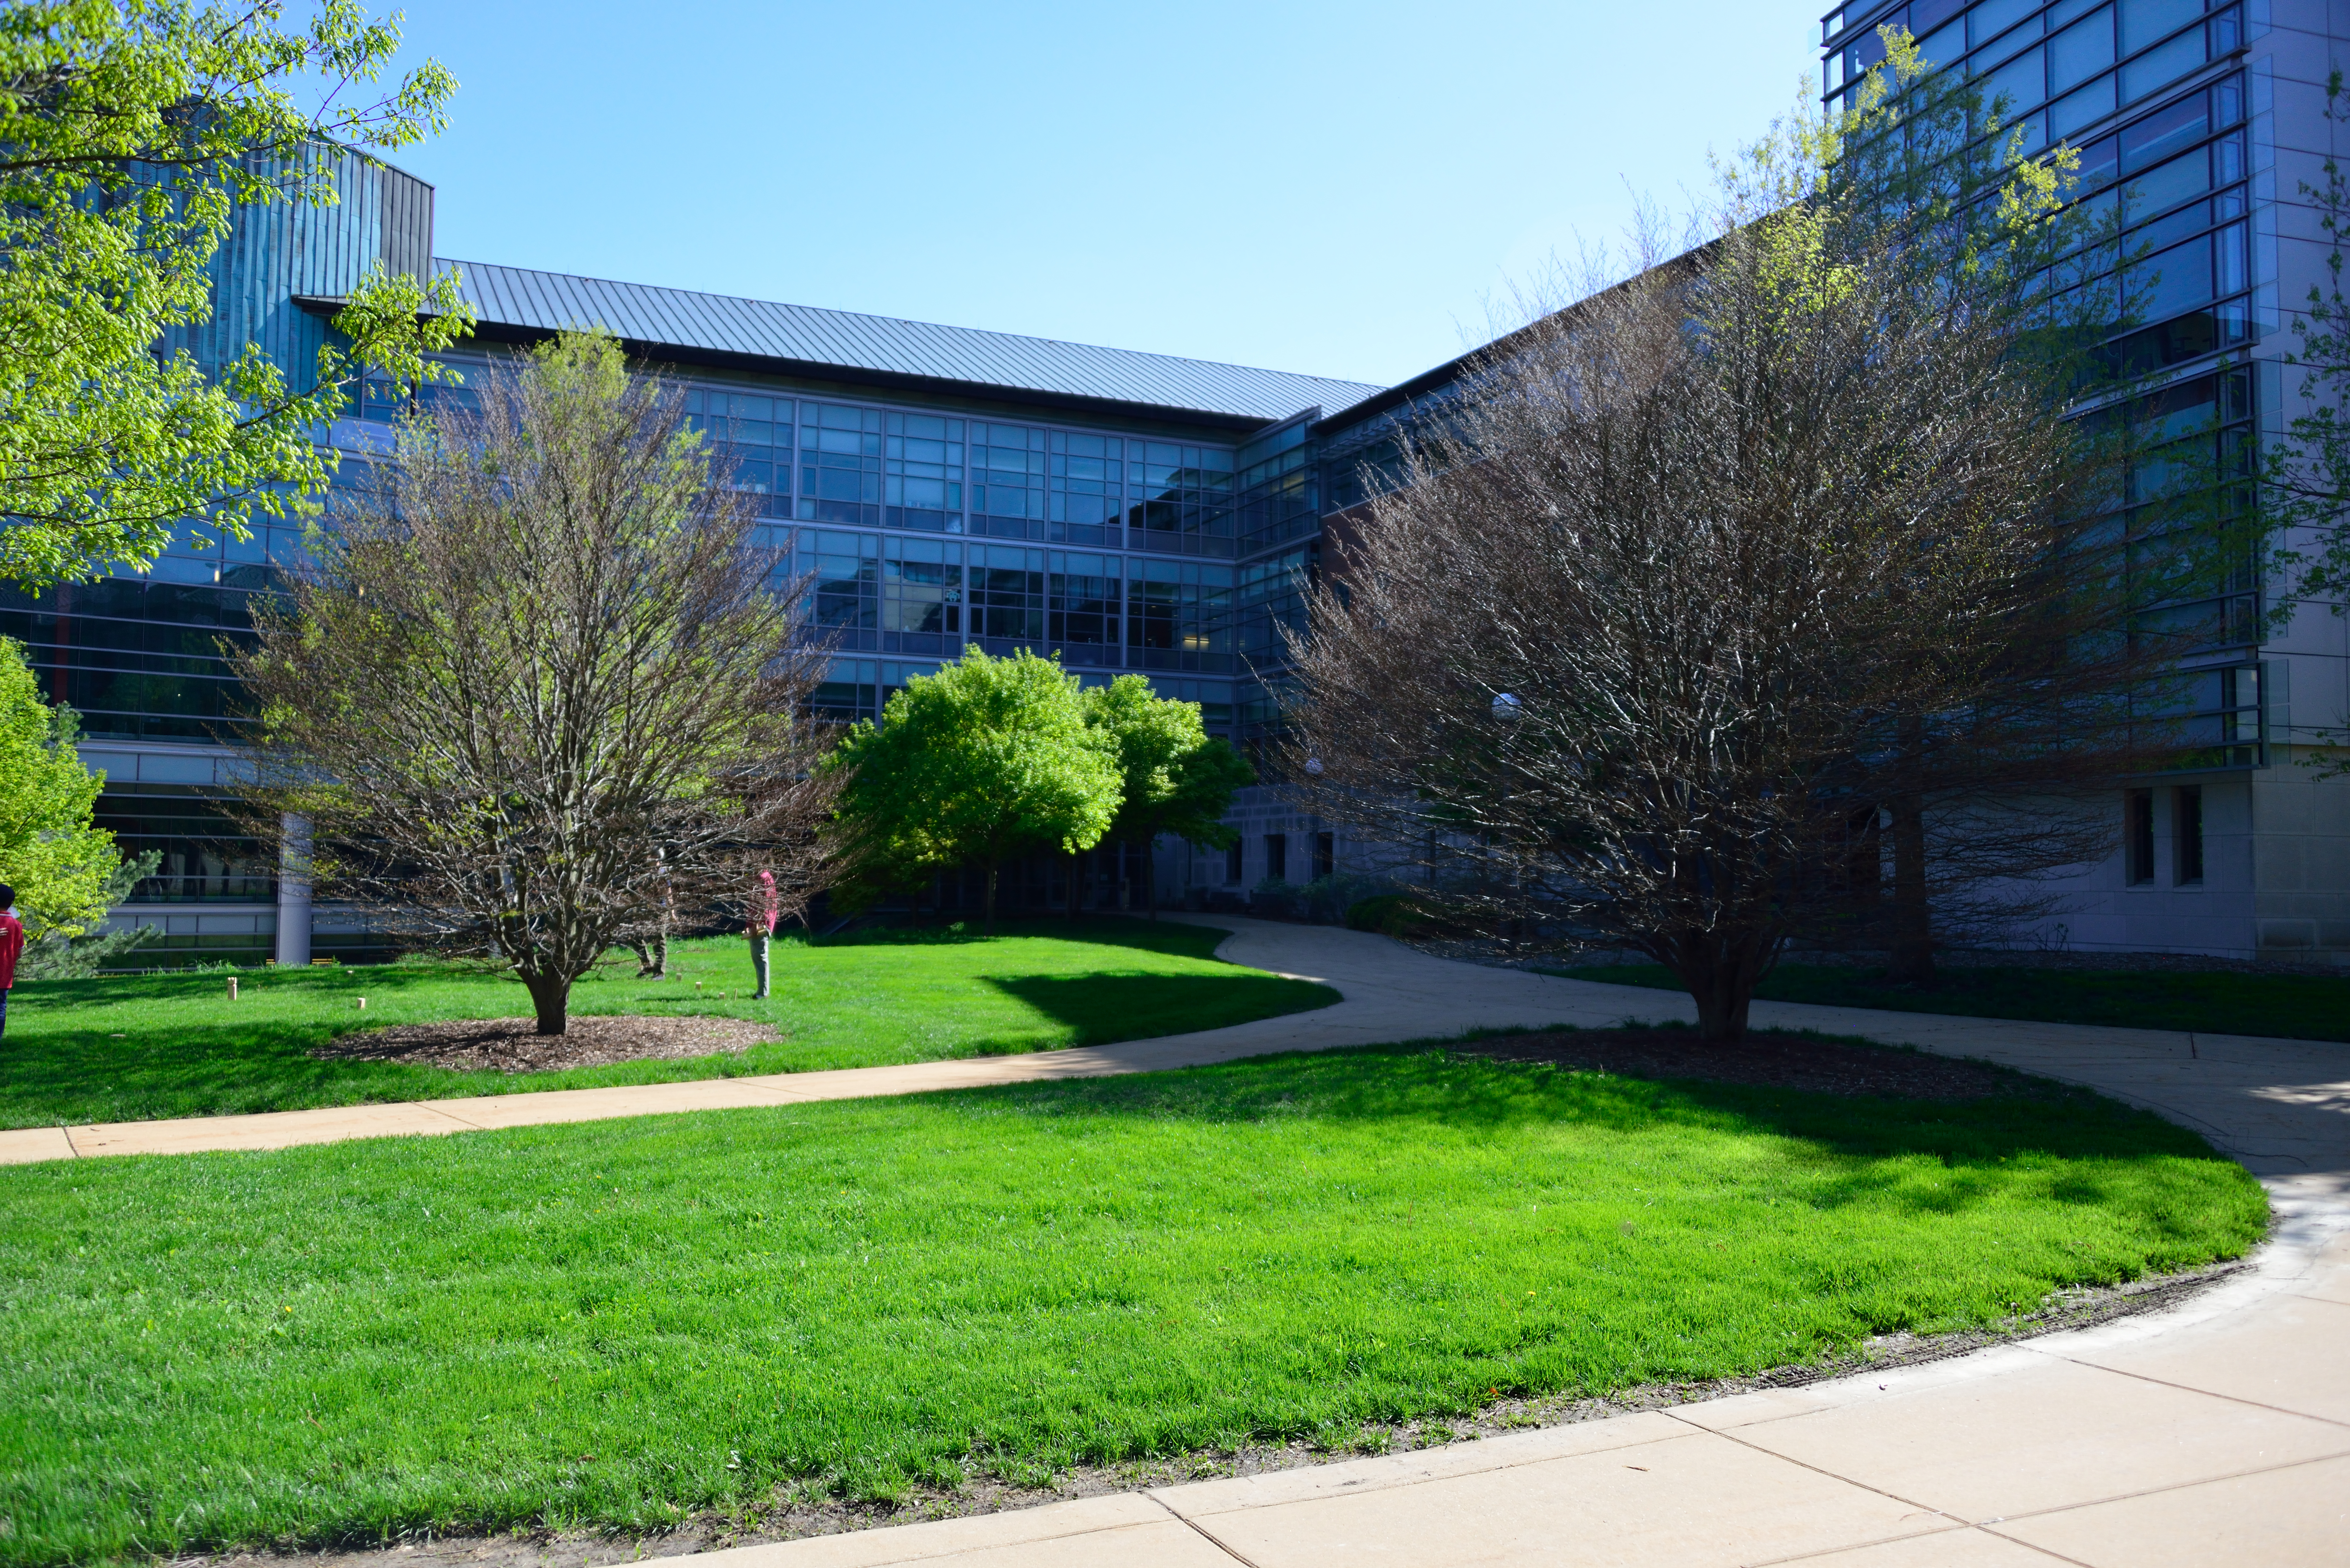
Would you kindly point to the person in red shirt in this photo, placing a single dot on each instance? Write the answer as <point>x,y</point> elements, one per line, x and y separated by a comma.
<point>766,907</point>
<point>12,947</point>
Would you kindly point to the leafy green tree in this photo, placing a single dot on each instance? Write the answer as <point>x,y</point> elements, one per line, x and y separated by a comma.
<point>59,865</point>
<point>130,132</point>
<point>1174,778</point>
<point>988,760</point>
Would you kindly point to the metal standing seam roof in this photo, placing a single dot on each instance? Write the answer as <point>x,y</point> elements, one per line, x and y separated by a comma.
<point>680,318</point>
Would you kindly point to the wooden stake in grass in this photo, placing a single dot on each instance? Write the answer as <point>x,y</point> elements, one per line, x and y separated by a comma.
<point>362,1004</point>
<point>232,988</point>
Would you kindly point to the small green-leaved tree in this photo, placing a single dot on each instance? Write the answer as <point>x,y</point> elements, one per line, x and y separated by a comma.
<point>130,132</point>
<point>1174,779</point>
<point>61,864</point>
<point>988,760</point>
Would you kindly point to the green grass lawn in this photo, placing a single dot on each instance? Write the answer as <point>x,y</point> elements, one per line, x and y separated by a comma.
<point>132,1048</point>
<point>2293,1006</point>
<point>616,1324</point>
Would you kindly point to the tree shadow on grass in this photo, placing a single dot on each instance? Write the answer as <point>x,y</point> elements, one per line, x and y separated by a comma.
<point>1862,1150</point>
<point>1111,1006</point>
<point>84,1076</point>
<point>1169,937</point>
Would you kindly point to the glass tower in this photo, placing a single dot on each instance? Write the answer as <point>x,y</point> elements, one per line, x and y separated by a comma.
<point>2198,125</point>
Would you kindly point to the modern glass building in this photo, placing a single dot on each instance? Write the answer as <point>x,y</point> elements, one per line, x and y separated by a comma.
<point>1137,512</point>
<point>947,488</point>
<point>2199,124</point>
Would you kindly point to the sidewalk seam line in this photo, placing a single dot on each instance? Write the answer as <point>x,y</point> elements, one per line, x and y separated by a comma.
<point>2191,1388</point>
<point>2030,1546</point>
<point>1202,1530</point>
<point>1959,1528</point>
<point>2158,1490</point>
<point>1816,1469</point>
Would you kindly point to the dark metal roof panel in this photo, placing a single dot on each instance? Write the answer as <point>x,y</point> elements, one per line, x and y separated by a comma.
<point>675,318</point>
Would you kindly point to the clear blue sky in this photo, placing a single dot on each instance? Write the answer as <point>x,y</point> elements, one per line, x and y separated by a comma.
<point>1331,188</point>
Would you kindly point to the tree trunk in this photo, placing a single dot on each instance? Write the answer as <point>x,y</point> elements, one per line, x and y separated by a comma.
<point>989,906</point>
<point>1911,943</point>
<point>1074,859</point>
<point>550,997</point>
<point>1150,876</point>
<point>1721,975</point>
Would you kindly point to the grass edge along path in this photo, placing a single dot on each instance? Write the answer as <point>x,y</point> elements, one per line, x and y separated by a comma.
<point>620,1325</point>
<point>159,1048</point>
<point>2202,1001</point>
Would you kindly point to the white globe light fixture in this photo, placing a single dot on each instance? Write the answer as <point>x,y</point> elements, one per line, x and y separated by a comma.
<point>1507,708</point>
<point>1313,766</point>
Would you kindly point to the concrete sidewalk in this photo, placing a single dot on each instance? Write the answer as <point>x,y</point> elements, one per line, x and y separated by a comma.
<point>2217,1432</point>
<point>2217,1435</point>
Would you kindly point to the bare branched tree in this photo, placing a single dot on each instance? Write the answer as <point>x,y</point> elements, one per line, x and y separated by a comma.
<point>1759,599</point>
<point>540,688</point>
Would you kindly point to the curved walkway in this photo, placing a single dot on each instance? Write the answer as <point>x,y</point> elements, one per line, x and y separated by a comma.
<point>2217,1432</point>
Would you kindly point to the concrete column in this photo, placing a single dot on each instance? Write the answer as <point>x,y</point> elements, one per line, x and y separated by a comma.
<point>294,891</point>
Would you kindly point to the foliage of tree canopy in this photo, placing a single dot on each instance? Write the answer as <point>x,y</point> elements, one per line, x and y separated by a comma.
<point>61,866</point>
<point>1173,778</point>
<point>988,760</point>
<point>130,132</point>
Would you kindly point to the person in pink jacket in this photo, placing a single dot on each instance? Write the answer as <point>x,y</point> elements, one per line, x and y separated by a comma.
<point>766,907</point>
<point>12,948</point>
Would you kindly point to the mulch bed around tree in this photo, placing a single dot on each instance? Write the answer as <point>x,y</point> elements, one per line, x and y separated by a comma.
<point>515,1044</point>
<point>1778,1061</point>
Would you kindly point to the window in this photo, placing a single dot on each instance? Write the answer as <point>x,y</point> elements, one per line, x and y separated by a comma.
<point>1326,854</point>
<point>750,437</point>
<point>841,465</point>
<point>922,596</point>
<point>2157,68</point>
<point>1178,614</point>
<point>1945,45</point>
<point>1276,857</point>
<point>2086,107</point>
<point>1007,597</point>
<point>846,586</point>
<point>1232,862</point>
<point>2081,51</point>
<point>207,855</point>
<point>1007,481</point>
<point>1992,18</point>
<point>2140,833</point>
<point>1085,596</point>
<point>1271,594</point>
<point>2169,282</point>
<point>2018,85</point>
<point>1186,497</point>
<point>846,694</point>
<point>2187,836</point>
<point>2147,21</point>
<point>921,482</point>
<point>1087,492</point>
